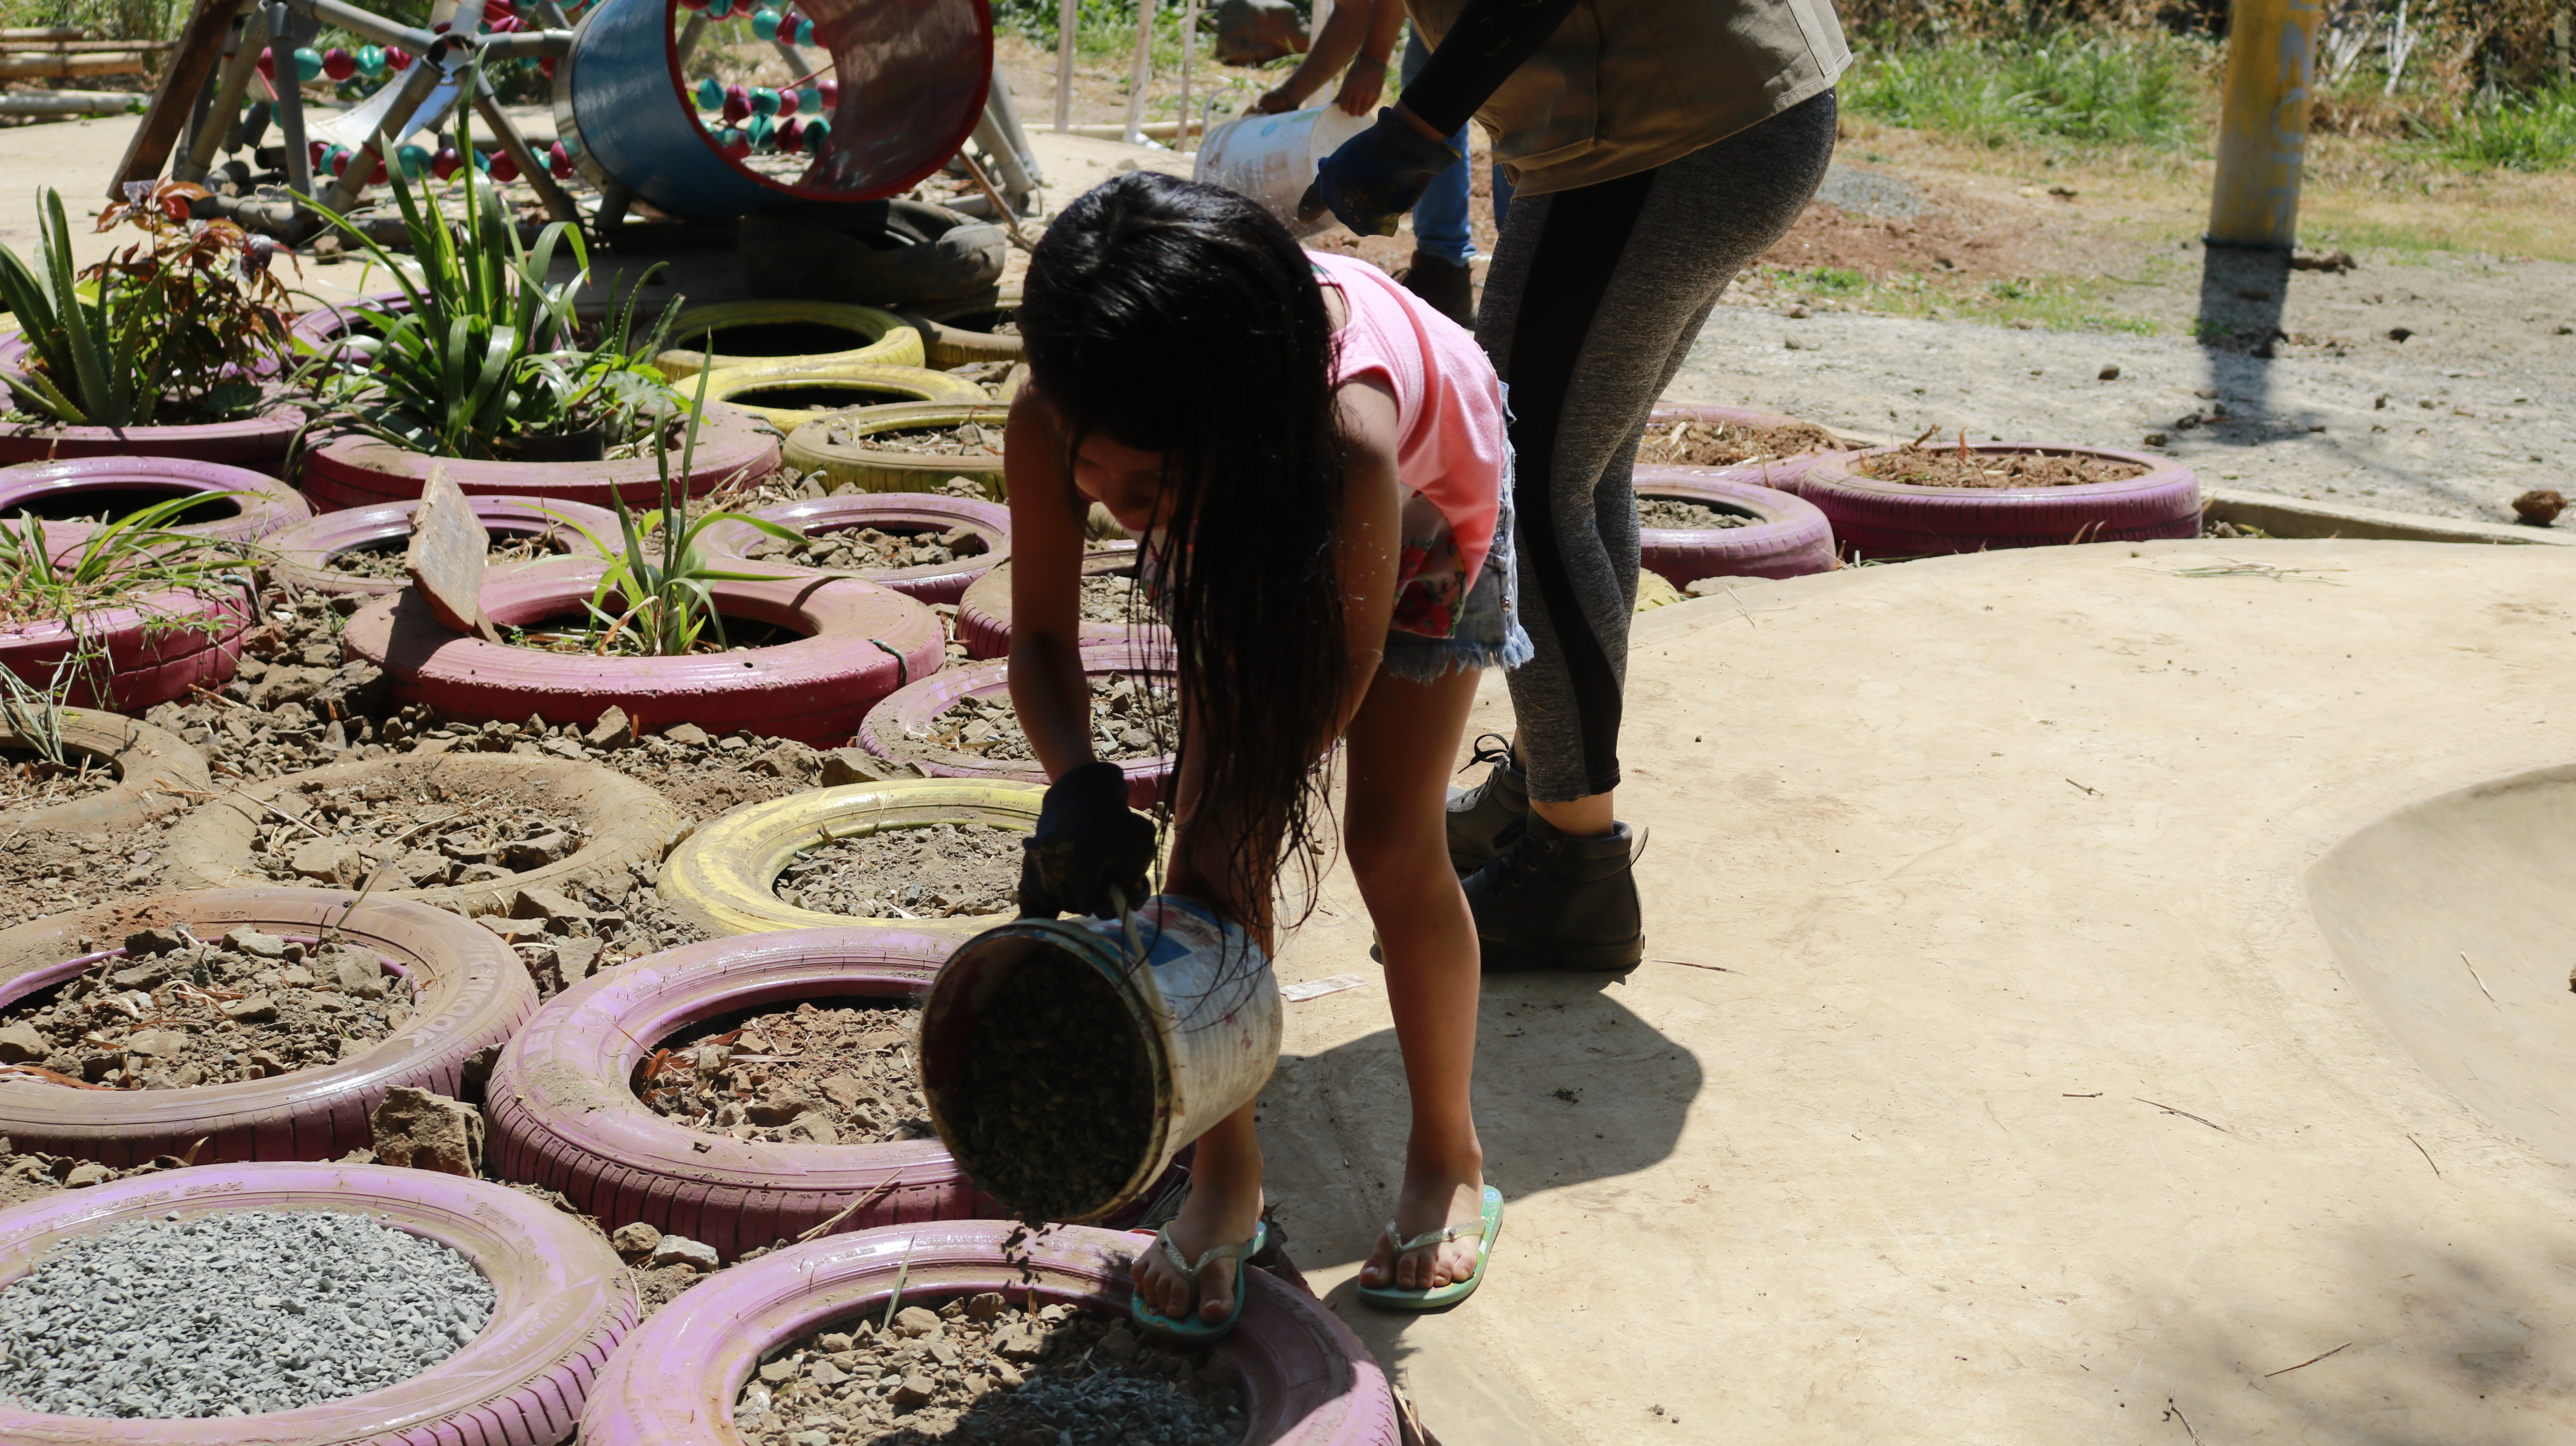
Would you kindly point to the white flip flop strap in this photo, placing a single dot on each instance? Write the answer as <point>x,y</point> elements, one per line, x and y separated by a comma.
<point>1426,1239</point>
<point>1172,1253</point>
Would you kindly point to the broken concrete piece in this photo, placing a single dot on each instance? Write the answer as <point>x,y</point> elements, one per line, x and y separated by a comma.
<point>425,1131</point>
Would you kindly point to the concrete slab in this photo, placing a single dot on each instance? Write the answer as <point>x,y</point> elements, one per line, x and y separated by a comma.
<point>1993,1081</point>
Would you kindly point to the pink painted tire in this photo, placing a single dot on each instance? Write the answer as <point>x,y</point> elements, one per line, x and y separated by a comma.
<point>897,728</point>
<point>1788,537</point>
<point>564,1116</point>
<point>938,582</point>
<point>469,992</point>
<point>352,469</point>
<point>262,504</point>
<point>562,1304</point>
<point>984,612</point>
<point>304,552</point>
<point>258,443</point>
<point>860,642</point>
<point>1872,518</point>
<point>149,660</point>
<point>1305,1379</point>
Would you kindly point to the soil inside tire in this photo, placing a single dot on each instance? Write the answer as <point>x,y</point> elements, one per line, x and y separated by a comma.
<point>1728,444</point>
<point>1109,597</point>
<point>1054,1107</point>
<point>926,871</point>
<point>824,1072</point>
<point>107,504</point>
<point>817,399</point>
<point>965,440</point>
<point>1130,720</point>
<point>871,547</point>
<point>981,1369</point>
<point>1689,516</point>
<point>29,780</point>
<point>382,560</point>
<point>570,633</point>
<point>431,832</point>
<point>166,1014</point>
<point>1957,468</point>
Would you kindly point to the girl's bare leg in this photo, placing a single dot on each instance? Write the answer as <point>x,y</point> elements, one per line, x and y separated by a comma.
<point>1224,1205</point>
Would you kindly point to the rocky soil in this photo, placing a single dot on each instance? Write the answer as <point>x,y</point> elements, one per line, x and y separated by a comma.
<point>29,781</point>
<point>834,1073</point>
<point>1666,512</point>
<point>930,871</point>
<point>1130,719</point>
<point>428,832</point>
<point>967,440</point>
<point>1939,466</point>
<point>1724,444</point>
<point>870,548</point>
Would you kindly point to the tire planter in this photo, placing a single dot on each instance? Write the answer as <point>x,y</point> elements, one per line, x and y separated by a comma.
<point>352,469</point>
<point>860,642</point>
<point>962,335</point>
<point>823,334</point>
<point>262,507</point>
<point>1789,536</point>
<point>721,878</point>
<point>836,446</point>
<point>788,398</point>
<point>565,1116</point>
<point>562,1304</point>
<point>1872,518</point>
<point>258,443</point>
<point>932,582</point>
<point>984,613</point>
<point>626,822</point>
<point>1305,1379</point>
<point>1781,475</point>
<point>152,768</point>
<point>158,648</point>
<point>303,552</point>
<point>899,727</point>
<point>469,993</point>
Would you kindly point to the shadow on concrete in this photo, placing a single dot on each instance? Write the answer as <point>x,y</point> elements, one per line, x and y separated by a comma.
<point>2243,294</point>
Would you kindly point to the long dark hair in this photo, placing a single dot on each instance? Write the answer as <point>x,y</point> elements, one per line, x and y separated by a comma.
<point>1183,319</point>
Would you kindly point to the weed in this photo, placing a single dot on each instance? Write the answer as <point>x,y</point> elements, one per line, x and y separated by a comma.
<point>2535,133</point>
<point>34,715</point>
<point>1833,281</point>
<point>2099,90</point>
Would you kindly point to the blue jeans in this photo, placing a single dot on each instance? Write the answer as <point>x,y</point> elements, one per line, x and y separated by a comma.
<point>1440,217</point>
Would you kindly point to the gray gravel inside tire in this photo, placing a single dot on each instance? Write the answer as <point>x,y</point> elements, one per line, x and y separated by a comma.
<point>242,1313</point>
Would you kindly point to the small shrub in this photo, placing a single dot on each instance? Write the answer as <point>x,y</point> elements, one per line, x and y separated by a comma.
<point>2537,133</point>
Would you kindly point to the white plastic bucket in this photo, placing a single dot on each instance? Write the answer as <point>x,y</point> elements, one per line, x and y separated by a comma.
<point>1272,158</point>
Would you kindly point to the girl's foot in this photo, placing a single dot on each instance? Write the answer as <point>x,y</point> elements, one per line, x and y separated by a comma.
<point>1429,1201</point>
<point>1212,1216</point>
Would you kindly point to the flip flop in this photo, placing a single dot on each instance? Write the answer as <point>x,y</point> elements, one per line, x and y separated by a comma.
<point>1194,1331</point>
<point>1388,1297</point>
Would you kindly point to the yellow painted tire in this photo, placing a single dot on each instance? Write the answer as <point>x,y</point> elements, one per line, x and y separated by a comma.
<point>721,879</point>
<point>778,393</point>
<point>955,346</point>
<point>836,446</point>
<point>885,339</point>
<point>1654,592</point>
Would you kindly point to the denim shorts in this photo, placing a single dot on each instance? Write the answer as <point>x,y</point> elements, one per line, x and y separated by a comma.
<point>1488,632</point>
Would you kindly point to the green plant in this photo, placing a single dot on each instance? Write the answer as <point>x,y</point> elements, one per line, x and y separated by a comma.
<point>170,328</point>
<point>125,563</point>
<point>35,715</point>
<point>1834,280</point>
<point>2097,90</point>
<point>2535,133</point>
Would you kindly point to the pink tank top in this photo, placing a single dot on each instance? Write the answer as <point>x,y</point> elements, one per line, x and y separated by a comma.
<point>1453,451</point>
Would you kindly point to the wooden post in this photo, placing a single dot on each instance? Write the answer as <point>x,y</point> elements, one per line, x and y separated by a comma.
<point>1189,49</point>
<point>2263,127</point>
<point>200,48</point>
<point>1065,21</point>
<point>1143,71</point>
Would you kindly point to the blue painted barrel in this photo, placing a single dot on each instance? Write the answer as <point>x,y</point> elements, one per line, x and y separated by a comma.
<point>912,75</point>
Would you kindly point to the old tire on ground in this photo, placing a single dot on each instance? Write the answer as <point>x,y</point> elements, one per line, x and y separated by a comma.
<point>258,443</point>
<point>1781,475</point>
<point>352,469</point>
<point>899,728</point>
<point>562,1304</point>
<point>1872,518</point>
<point>155,774</point>
<point>837,446</point>
<point>304,551</point>
<point>565,1115</point>
<point>157,648</point>
<point>798,334</point>
<point>627,823</point>
<point>910,253</point>
<point>720,879</point>
<point>470,992</point>
<point>858,643</point>
<point>906,512</point>
<point>1788,536</point>
<point>261,505</point>
<point>1306,1380</point>
<point>790,397</point>
<point>984,613</point>
<point>961,334</point>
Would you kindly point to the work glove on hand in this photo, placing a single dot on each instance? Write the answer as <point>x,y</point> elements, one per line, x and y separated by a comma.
<point>1087,841</point>
<point>1377,176</point>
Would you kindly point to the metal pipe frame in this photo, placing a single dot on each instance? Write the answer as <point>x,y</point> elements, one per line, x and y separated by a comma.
<point>290,101</point>
<point>487,104</point>
<point>231,83</point>
<point>427,71</point>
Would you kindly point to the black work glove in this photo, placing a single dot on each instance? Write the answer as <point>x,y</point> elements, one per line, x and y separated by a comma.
<point>1087,841</point>
<point>1377,176</point>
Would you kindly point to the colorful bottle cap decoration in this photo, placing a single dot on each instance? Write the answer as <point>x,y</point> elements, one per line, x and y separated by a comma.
<point>809,101</point>
<point>308,63</point>
<point>710,94</point>
<point>764,101</point>
<point>446,163</point>
<point>830,92</point>
<point>483,162</point>
<point>559,161</point>
<point>719,9</point>
<point>804,31</point>
<point>818,134</point>
<point>694,4</point>
<point>338,161</point>
<point>789,103</point>
<point>503,168</point>
<point>413,160</point>
<point>339,64</point>
<point>316,152</point>
<point>397,58</point>
<point>371,60</point>
<point>764,23</point>
<point>791,135</point>
<point>546,66</point>
<point>759,129</point>
<point>737,104</point>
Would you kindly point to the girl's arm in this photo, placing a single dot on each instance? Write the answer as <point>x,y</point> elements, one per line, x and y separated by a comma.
<point>1345,31</point>
<point>1365,82</point>
<point>1047,687</point>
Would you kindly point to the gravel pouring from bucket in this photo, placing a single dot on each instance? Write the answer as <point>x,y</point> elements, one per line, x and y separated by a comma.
<point>1067,1061</point>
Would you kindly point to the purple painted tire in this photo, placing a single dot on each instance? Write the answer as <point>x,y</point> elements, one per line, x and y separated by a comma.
<point>564,1115</point>
<point>263,505</point>
<point>304,551</point>
<point>323,325</point>
<point>984,612</point>
<point>352,469</point>
<point>1872,518</point>
<point>936,582</point>
<point>469,992</point>
<point>1306,1380</point>
<point>860,642</point>
<point>1787,538</point>
<point>899,727</point>
<point>1781,475</point>
<point>153,656</point>
<point>563,1303</point>
<point>258,443</point>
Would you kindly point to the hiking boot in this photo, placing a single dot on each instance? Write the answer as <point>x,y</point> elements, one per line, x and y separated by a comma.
<point>1448,285</point>
<point>1484,820</point>
<point>1554,901</point>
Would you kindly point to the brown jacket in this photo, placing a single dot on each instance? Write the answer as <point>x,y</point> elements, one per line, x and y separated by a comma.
<point>1626,85</point>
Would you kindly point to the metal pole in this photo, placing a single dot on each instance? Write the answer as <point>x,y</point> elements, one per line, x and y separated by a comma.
<point>1189,47</point>
<point>426,72</point>
<point>290,99</point>
<point>1143,70</point>
<point>2263,127</point>
<point>532,166</point>
<point>1064,24</point>
<point>230,83</point>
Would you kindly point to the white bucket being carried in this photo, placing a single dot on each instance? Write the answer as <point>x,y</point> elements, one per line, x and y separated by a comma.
<point>1272,158</point>
<point>1064,1068</point>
